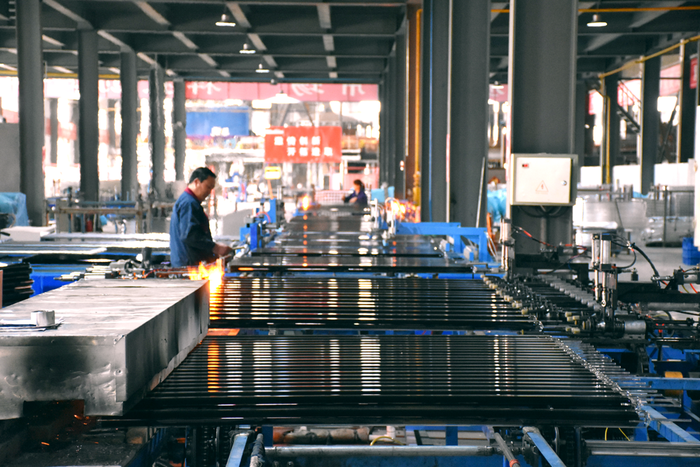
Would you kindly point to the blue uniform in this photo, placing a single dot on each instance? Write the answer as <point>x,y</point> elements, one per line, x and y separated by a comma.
<point>361,198</point>
<point>190,236</point>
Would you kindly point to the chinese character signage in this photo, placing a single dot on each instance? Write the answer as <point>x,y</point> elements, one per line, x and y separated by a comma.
<point>303,144</point>
<point>203,90</point>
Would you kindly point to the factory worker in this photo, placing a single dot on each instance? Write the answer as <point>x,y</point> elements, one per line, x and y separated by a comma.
<point>190,237</point>
<point>358,197</point>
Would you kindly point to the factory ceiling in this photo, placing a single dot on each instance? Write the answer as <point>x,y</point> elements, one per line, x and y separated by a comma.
<point>311,41</point>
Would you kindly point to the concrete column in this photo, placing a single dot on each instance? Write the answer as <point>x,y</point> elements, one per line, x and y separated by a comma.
<point>580,125</point>
<point>75,120</point>
<point>611,141</point>
<point>384,133</point>
<point>130,125</point>
<point>156,87</point>
<point>542,86</point>
<point>111,129</point>
<point>179,128</point>
<point>651,76</point>
<point>53,125</point>
<point>469,145</point>
<point>400,109</point>
<point>688,105</point>
<point>88,128</point>
<point>391,118</point>
<point>31,107</point>
<point>435,133</point>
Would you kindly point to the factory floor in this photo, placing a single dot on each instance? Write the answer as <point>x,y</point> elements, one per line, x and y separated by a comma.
<point>665,260</point>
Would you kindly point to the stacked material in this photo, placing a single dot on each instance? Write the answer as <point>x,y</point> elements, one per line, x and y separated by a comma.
<point>16,282</point>
<point>504,380</point>
<point>362,303</point>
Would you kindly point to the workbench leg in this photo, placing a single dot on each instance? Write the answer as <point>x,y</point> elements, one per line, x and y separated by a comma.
<point>451,436</point>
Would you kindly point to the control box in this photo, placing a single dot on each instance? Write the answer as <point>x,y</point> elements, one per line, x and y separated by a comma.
<point>542,179</point>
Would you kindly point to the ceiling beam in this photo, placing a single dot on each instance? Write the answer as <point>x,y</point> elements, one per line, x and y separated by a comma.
<point>638,20</point>
<point>238,14</point>
<point>324,15</point>
<point>152,13</point>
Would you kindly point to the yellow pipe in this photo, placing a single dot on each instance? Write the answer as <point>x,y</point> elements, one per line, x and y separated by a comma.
<point>648,57</point>
<point>58,75</point>
<point>620,10</point>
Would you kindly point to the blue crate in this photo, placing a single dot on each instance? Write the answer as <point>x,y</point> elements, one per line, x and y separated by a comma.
<point>691,255</point>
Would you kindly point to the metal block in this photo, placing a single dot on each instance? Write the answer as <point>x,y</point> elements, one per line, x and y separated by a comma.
<point>118,339</point>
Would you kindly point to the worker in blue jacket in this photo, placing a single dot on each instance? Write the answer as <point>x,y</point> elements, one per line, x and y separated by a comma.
<point>190,236</point>
<point>358,197</point>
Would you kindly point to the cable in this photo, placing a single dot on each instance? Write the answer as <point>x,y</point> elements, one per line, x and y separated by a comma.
<point>623,434</point>
<point>631,264</point>
<point>395,441</point>
<point>691,286</point>
<point>522,231</point>
<point>686,290</point>
<point>634,246</point>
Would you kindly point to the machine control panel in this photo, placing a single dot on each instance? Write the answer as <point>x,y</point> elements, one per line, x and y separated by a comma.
<point>542,179</point>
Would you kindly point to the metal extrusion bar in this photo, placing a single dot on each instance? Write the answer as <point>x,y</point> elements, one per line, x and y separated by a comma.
<point>382,379</point>
<point>235,457</point>
<point>667,428</point>
<point>302,302</point>
<point>286,452</point>
<point>641,449</point>
<point>544,447</point>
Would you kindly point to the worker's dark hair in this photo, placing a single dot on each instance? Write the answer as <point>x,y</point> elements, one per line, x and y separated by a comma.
<point>359,183</point>
<point>201,174</point>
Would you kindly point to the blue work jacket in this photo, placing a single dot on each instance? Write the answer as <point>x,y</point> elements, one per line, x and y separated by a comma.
<point>190,236</point>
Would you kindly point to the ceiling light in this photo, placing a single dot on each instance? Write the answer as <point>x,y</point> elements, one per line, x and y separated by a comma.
<point>261,69</point>
<point>596,22</point>
<point>226,20</point>
<point>247,49</point>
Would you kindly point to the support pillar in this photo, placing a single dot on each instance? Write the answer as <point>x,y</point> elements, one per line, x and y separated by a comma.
<point>469,143</point>
<point>436,48</point>
<point>53,135</point>
<point>413,112</point>
<point>400,151</point>
<point>385,133</point>
<point>130,125</point>
<point>651,76</point>
<point>88,128</point>
<point>390,81</point>
<point>612,129</point>
<point>542,86</point>
<point>156,96</point>
<point>688,104</point>
<point>31,107</point>
<point>580,125</point>
<point>179,128</point>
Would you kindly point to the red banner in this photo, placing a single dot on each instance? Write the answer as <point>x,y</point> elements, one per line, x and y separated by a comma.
<point>207,90</point>
<point>303,144</point>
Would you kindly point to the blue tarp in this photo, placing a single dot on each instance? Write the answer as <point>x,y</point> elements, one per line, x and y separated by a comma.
<point>233,121</point>
<point>496,201</point>
<point>15,203</point>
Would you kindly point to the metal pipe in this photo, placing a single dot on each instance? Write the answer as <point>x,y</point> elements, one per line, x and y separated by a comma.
<point>642,448</point>
<point>379,451</point>
<point>505,450</point>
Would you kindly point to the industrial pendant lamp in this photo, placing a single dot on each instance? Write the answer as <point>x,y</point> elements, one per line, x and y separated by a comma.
<point>261,69</point>
<point>226,20</point>
<point>247,49</point>
<point>597,22</point>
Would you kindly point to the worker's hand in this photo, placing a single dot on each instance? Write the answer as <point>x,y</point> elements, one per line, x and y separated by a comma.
<point>222,250</point>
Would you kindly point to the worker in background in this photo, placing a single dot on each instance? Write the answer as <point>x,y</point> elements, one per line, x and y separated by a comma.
<point>358,197</point>
<point>190,236</point>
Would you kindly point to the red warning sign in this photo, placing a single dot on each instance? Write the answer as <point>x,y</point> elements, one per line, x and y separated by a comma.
<point>542,188</point>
